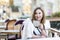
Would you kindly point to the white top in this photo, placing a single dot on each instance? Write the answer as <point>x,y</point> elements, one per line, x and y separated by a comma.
<point>28,29</point>
<point>47,24</point>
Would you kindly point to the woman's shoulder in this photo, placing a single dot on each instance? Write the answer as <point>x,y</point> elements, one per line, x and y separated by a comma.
<point>27,20</point>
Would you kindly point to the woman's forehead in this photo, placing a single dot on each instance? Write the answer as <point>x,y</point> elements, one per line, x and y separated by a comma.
<point>38,10</point>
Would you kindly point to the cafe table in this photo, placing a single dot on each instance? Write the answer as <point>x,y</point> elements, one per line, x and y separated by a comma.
<point>4,33</point>
<point>51,38</point>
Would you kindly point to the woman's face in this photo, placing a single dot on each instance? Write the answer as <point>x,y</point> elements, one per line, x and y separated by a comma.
<point>38,15</point>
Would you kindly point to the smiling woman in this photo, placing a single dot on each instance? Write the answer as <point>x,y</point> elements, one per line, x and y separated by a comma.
<point>34,27</point>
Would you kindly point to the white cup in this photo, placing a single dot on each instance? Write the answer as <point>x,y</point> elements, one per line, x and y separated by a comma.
<point>36,23</point>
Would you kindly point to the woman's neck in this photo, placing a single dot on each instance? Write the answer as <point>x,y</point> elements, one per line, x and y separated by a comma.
<point>37,20</point>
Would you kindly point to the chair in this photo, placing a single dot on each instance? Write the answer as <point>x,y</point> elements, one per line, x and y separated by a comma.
<point>10,26</point>
<point>6,20</point>
<point>19,22</point>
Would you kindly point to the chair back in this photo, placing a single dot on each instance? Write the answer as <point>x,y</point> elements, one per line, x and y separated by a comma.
<point>19,23</point>
<point>10,24</point>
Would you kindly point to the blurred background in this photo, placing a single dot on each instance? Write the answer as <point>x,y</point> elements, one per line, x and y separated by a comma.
<point>17,9</point>
<point>22,9</point>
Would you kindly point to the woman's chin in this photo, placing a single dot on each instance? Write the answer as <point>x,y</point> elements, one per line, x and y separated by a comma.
<point>38,19</point>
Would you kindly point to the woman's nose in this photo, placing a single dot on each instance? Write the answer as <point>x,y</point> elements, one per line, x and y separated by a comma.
<point>38,15</point>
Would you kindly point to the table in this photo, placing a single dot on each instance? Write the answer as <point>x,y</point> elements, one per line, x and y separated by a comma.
<point>2,27</point>
<point>54,38</point>
<point>3,33</point>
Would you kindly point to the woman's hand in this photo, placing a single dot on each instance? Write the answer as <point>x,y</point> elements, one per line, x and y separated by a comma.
<point>41,26</point>
<point>43,33</point>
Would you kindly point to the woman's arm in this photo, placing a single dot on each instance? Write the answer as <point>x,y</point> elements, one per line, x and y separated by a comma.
<point>43,33</point>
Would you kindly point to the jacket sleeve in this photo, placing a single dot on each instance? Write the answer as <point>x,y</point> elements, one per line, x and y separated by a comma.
<point>28,29</point>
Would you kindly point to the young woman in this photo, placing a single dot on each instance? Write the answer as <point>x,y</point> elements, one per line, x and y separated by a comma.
<point>34,28</point>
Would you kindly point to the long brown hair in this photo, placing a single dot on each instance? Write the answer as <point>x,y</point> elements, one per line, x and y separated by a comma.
<point>33,16</point>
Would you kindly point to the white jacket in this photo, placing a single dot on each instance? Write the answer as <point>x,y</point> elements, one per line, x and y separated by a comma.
<point>28,29</point>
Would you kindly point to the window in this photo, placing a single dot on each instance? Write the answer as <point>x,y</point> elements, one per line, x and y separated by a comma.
<point>15,9</point>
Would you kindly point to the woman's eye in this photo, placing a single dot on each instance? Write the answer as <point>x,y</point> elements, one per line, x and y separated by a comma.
<point>39,13</point>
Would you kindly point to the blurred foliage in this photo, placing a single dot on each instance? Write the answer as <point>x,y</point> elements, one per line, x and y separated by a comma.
<point>48,17</point>
<point>56,14</point>
<point>53,15</point>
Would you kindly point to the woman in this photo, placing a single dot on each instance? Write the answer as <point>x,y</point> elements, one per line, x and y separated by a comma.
<point>34,28</point>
